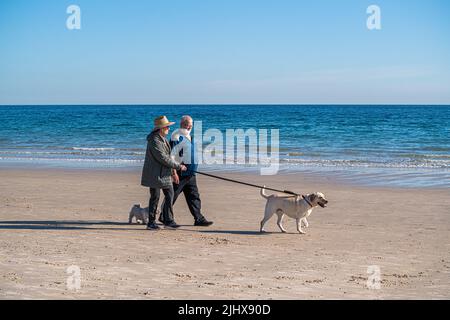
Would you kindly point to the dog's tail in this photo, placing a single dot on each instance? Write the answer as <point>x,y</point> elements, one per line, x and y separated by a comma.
<point>263,194</point>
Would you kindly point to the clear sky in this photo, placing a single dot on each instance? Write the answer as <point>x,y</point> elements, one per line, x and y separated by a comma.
<point>224,51</point>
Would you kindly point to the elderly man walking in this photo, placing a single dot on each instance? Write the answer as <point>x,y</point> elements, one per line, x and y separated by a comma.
<point>183,151</point>
<point>157,173</point>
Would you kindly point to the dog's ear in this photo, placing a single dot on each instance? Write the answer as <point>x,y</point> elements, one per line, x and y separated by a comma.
<point>312,197</point>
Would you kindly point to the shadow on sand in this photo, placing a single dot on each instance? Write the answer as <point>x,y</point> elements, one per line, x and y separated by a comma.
<point>238,232</point>
<point>98,225</point>
<point>64,225</point>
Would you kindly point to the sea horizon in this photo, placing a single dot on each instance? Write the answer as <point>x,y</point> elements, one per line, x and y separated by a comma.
<point>229,104</point>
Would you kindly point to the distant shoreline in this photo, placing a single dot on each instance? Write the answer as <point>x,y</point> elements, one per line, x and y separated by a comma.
<point>394,179</point>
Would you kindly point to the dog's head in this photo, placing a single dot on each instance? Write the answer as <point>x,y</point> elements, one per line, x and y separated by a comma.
<point>318,198</point>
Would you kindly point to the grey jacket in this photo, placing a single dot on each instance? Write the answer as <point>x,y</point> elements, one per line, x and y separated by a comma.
<point>158,164</point>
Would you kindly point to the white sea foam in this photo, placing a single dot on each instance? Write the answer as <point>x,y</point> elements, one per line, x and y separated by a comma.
<point>72,160</point>
<point>251,161</point>
<point>441,164</point>
<point>92,149</point>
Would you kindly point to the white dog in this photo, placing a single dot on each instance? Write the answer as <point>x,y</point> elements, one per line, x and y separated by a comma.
<point>296,207</point>
<point>140,214</point>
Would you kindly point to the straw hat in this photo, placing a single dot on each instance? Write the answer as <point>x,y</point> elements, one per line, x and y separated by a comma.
<point>162,122</point>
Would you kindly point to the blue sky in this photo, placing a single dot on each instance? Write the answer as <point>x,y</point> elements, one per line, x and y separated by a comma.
<point>228,51</point>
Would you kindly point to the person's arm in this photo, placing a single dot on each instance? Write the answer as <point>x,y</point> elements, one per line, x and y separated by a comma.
<point>175,177</point>
<point>158,152</point>
<point>175,150</point>
<point>177,155</point>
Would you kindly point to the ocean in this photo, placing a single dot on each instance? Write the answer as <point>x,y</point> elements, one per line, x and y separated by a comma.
<point>405,146</point>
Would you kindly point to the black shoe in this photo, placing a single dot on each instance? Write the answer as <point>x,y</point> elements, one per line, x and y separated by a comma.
<point>152,226</point>
<point>171,225</point>
<point>203,223</point>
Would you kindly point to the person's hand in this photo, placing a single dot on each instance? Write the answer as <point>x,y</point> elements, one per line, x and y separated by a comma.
<point>175,178</point>
<point>183,167</point>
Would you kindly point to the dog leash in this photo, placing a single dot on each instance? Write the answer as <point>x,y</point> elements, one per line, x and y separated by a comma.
<point>254,185</point>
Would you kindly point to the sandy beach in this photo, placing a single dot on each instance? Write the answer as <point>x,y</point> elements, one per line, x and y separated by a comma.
<point>52,219</point>
<point>349,99</point>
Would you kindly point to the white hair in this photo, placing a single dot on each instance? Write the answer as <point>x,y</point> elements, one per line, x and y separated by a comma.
<point>185,120</point>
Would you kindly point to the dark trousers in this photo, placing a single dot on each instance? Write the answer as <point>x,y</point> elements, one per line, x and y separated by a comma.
<point>188,185</point>
<point>167,206</point>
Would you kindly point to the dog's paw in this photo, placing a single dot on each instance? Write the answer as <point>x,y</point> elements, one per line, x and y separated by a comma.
<point>302,232</point>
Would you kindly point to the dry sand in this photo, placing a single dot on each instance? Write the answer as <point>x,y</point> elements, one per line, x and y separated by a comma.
<point>53,219</point>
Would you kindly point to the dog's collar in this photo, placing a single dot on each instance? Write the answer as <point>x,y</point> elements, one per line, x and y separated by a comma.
<point>307,201</point>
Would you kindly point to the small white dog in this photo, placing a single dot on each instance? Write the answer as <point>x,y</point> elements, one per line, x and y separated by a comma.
<point>140,214</point>
<point>295,207</point>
